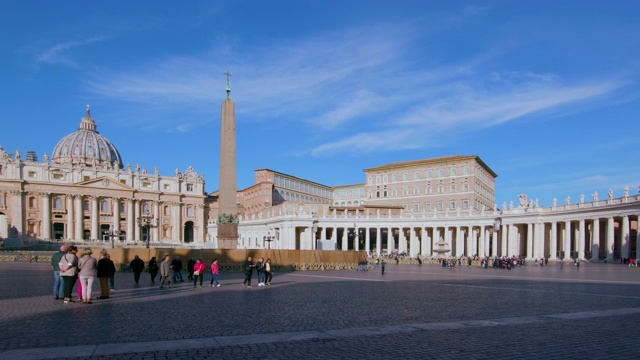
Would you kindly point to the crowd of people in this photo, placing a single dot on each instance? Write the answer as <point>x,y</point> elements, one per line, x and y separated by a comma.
<point>71,269</point>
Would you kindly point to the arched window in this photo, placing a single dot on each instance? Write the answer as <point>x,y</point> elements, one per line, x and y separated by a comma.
<point>146,209</point>
<point>189,211</point>
<point>85,206</point>
<point>104,206</point>
<point>165,210</point>
<point>57,203</point>
<point>32,202</point>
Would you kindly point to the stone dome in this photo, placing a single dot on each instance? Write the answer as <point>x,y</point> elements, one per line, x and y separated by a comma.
<point>86,146</point>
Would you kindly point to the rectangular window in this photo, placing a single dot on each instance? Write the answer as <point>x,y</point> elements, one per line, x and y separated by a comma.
<point>189,187</point>
<point>166,187</point>
<point>453,188</point>
<point>32,174</point>
<point>439,205</point>
<point>123,181</point>
<point>429,174</point>
<point>58,176</point>
<point>416,176</point>
<point>452,205</point>
<point>146,184</point>
<point>85,178</point>
<point>465,204</point>
<point>416,207</point>
<point>416,191</point>
<point>405,177</point>
<point>427,207</point>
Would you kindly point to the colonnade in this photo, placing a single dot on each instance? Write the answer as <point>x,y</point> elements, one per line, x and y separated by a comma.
<point>79,218</point>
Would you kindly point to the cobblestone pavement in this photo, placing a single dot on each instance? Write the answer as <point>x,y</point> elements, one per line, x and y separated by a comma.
<point>425,312</point>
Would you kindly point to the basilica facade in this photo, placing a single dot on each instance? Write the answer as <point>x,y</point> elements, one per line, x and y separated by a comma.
<point>85,192</point>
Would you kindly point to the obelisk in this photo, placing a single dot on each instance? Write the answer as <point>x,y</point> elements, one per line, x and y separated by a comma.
<point>227,205</point>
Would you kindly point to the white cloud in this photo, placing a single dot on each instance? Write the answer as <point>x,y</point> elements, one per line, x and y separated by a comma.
<point>58,54</point>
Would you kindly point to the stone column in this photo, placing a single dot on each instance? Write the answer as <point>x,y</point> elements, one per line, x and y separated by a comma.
<point>460,235</point>
<point>595,240</point>
<point>529,240</point>
<point>136,216</point>
<point>553,241</point>
<point>413,242</point>
<point>367,239</point>
<point>566,244</point>
<point>202,221</point>
<point>472,241</point>
<point>79,215</point>
<point>46,215</point>
<point>426,242</point>
<point>625,237</point>
<point>343,241</point>
<point>494,243</point>
<point>503,232</point>
<point>176,219</point>
<point>538,240</point>
<point>356,239</point>
<point>17,213</point>
<point>95,217</point>
<point>402,240</point>
<point>610,239</point>
<point>391,240</point>
<point>131,220</point>
<point>323,233</point>
<point>115,209</point>
<point>378,241</point>
<point>69,233</point>
<point>581,239</point>
<point>155,234</point>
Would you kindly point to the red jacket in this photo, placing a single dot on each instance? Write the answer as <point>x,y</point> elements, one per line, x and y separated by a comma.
<point>199,267</point>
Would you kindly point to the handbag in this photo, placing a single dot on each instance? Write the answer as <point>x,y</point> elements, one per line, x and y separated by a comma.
<point>197,272</point>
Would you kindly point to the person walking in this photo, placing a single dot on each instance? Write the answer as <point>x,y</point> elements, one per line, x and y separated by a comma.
<point>165,271</point>
<point>577,264</point>
<point>136,265</point>
<point>382,265</point>
<point>153,269</point>
<point>268,272</point>
<point>105,270</point>
<point>190,268</point>
<point>214,272</point>
<point>112,278</point>
<point>88,266</point>
<point>58,286</point>
<point>198,272</point>
<point>176,266</point>
<point>561,263</point>
<point>260,271</point>
<point>247,268</point>
<point>68,270</point>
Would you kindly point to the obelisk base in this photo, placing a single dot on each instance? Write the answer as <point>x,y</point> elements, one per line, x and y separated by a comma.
<point>228,236</point>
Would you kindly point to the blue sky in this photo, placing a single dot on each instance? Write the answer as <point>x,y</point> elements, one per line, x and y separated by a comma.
<point>545,92</point>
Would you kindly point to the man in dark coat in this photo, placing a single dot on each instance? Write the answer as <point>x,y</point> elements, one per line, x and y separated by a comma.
<point>136,265</point>
<point>247,268</point>
<point>106,269</point>
<point>190,265</point>
<point>176,266</point>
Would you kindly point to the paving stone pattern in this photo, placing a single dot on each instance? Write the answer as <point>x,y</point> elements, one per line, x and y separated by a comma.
<point>425,312</point>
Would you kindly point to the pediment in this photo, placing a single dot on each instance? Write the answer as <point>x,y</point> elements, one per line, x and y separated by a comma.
<point>104,183</point>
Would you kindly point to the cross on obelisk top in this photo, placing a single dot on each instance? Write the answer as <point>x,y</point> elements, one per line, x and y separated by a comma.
<point>228,85</point>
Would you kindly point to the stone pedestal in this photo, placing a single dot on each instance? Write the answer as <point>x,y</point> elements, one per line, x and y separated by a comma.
<point>228,236</point>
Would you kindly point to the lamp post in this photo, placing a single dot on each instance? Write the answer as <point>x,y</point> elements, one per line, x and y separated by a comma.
<point>111,234</point>
<point>147,222</point>
<point>269,238</point>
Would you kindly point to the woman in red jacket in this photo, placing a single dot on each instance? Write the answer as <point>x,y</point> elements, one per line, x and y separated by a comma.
<point>198,272</point>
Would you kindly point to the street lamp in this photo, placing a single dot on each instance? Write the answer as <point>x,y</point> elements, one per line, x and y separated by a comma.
<point>147,222</point>
<point>111,234</point>
<point>269,238</point>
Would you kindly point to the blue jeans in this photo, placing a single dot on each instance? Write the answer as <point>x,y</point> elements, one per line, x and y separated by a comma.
<point>177,276</point>
<point>58,285</point>
<point>261,276</point>
<point>214,278</point>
